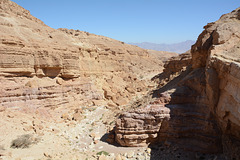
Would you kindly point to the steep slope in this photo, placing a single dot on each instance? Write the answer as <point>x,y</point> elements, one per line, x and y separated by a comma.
<point>61,89</point>
<point>41,66</point>
<point>217,50</point>
<point>202,93</point>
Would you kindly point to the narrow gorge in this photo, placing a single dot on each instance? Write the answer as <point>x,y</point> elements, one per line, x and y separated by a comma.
<point>70,94</point>
<point>199,91</point>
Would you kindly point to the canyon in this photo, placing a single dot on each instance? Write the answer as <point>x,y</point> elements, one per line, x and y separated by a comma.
<point>200,92</point>
<point>70,94</point>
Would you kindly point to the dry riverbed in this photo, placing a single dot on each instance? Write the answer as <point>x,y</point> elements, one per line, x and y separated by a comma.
<point>59,134</point>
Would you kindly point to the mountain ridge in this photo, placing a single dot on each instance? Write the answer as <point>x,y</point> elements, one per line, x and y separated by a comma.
<point>180,47</point>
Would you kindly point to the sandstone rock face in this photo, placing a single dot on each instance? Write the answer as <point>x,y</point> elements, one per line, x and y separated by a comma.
<point>140,127</point>
<point>177,63</point>
<point>66,67</point>
<point>219,52</point>
<point>203,92</point>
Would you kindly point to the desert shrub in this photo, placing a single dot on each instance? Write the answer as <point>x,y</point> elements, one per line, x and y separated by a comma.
<point>24,141</point>
<point>103,152</point>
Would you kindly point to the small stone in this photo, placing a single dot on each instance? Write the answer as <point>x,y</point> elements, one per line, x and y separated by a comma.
<point>111,155</point>
<point>59,81</point>
<point>149,150</point>
<point>10,115</point>
<point>27,127</point>
<point>40,126</point>
<point>36,130</point>
<point>118,157</point>
<point>123,158</point>
<point>130,90</point>
<point>96,141</point>
<point>95,136</point>
<point>130,154</point>
<point>47,155</point>
<point>65,116</point>
<point>92,135</point>
<point>103,157</point>
<point>77,116</point>
<point>111,105</point>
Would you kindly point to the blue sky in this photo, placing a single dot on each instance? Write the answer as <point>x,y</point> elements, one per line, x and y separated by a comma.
<point>156,21</point>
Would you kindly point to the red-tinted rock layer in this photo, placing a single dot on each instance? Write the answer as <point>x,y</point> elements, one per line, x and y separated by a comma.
<point>140,127</point>
<point>204,95</point>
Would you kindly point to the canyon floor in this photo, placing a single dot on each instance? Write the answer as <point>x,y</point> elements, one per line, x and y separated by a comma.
<point>70,94</point>
<point>82,136</point>
<point>62,138</point>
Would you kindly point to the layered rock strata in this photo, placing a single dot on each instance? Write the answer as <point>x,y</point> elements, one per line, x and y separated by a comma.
<point>203,95</point>
<point>140,127</point>
<point>217,51</point>
<point>32,52</point>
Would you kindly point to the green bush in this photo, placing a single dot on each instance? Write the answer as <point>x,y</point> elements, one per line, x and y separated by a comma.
<point>103,152</point>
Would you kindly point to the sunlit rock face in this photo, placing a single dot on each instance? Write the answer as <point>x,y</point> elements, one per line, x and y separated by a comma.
<point>42,66</point>
<point>203,94</point>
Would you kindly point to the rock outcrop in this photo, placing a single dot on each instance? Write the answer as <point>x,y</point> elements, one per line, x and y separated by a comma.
<point>203,92</point>
<point>42,66</point>
<point>140,127</point>
<point>218,51</point>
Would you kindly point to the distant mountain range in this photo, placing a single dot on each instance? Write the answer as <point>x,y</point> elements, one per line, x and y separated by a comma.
<point>175,47</point>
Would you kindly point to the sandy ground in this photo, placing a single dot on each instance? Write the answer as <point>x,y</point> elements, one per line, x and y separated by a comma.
<point>54,137</point>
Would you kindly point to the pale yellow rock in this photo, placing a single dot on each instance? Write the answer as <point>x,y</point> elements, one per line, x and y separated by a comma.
<point>118,157</point>
<point>66,66</point>
<point>103,157</point>
<point>149,150</point>
<point>59,81</point>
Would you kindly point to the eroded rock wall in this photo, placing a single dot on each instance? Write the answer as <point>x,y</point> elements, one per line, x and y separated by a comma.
<point>32,52</point>
<point>222,76</point>
<point>203,94</point>
<point>140,127</point>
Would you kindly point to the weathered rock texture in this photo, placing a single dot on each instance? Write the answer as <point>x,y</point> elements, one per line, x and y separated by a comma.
<point>218,51</point>
<point>42,66</point>
<point>140,127</point>
<point>203,94</point>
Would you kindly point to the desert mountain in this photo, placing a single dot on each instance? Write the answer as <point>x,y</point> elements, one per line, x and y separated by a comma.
<point>37,56</point>
<point>53,79</point>
<point>176,47</point>
<point>69,94</point>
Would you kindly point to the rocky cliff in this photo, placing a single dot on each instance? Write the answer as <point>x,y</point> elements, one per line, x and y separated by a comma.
<point>44,67</point>
<point>202,93</point>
